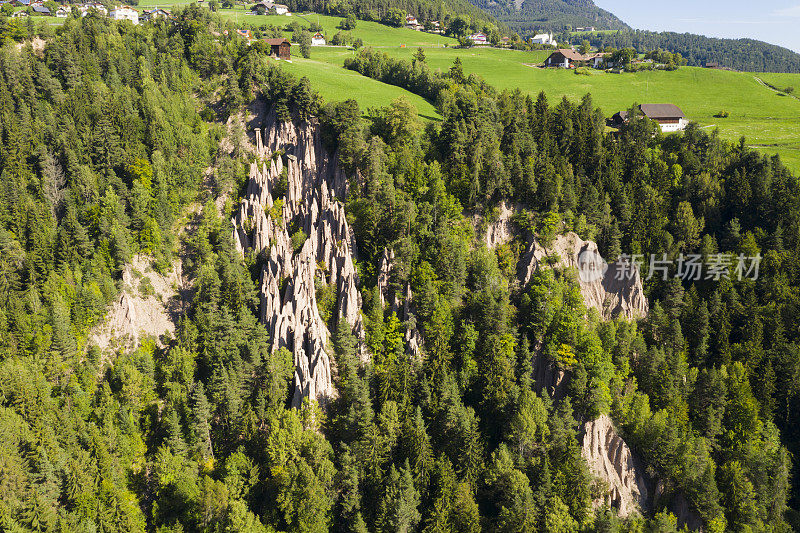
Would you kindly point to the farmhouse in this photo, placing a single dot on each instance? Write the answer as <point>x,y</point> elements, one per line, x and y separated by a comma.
<point>597,60</point>
<point>124,13</point>
<point>63,11</point>
<point>543,38</point>
<point>153,14</point>
<point>669,116</point>
<point>268,7</point>
<point>479,39</point>
<point>85,9</point>
<point>565,58</point>
<point>318,39</point>
<point>41,10</point>
<point>280,48</point>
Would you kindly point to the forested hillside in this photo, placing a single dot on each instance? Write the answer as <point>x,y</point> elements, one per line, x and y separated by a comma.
<point>739,54</point>
<point>424,10</point>
<point>527,16</point>
<point>111,133</point>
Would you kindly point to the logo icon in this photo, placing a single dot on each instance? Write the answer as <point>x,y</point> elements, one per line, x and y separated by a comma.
<point>591,266</point>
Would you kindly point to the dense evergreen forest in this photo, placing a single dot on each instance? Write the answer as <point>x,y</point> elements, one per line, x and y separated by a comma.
<point>382,10</point>
<point>111,133</point>
<point>747,55</point>
<point>526,16</point>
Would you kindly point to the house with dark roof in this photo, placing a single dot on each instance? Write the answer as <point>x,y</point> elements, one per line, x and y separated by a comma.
<point>565,58</point>
<point>41,10</point>
<point>280,48</point>
<point>668,116</point>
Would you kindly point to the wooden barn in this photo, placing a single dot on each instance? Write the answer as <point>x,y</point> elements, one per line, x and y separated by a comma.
<point>280,48</point>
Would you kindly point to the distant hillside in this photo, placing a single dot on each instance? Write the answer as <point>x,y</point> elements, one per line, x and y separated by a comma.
<point>526,16</point>
<point>424,10</point>
<point>739,54</point>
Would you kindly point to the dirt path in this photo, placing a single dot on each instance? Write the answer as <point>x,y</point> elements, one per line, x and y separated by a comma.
<point>773,89</point>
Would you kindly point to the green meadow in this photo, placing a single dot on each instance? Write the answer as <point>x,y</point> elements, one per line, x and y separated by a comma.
<point>336,83</point>
<point>768,119</point>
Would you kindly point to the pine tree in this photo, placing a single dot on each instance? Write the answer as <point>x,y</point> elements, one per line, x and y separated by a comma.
<point>397,511</point>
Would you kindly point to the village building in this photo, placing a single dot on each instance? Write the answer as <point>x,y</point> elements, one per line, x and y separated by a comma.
<point>63,11</point>
<point>598,60</point>
<point>436,27</point>
<point>411,20</point>
<point>125,13</point>
<point>86,8</point>
<point>266,7</point>
<point>668,116</point>
<point>543,38</point>
<point>280,48</point>
<point>246,35</point>
<point>318,39</point>
<point>41,11</point>
<point>479,39</point>
<point>586,28</point>
<point>153,14</point>
<point>565,58</point>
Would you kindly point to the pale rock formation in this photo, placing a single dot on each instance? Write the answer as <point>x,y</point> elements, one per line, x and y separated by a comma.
<point>404,309</point>
<point>499,231</point>
<point>384,275</point>
<point>615,289</point>
<point>136,315</point>
<point>610,460</point>
<point>413,337</point>
<point>315,186</point>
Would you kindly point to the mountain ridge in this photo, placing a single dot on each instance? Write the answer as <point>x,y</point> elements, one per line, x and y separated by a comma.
<point>525,16</point>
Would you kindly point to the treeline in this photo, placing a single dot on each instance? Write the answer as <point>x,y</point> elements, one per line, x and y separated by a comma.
<point>739,54</point>
<point>551,15</point>
<point>380,10</point>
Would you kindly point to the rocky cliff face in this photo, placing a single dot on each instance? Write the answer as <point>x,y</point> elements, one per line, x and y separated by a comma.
<point>148,306</point>
<point>610,460</point>
<point>315,186</point>
<point>627,488</point>
<point>613,289</point>
<point>404,309</point>
<point>499,229</point>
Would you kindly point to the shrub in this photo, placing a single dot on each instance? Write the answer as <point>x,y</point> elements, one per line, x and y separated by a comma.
<point>348,23</point>
<point>722,114</point>
<point>298,240</point>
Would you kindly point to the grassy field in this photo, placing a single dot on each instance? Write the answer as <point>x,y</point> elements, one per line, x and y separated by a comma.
<point>335,83</point>
<point>769,120</point>
<point>372,33</point>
